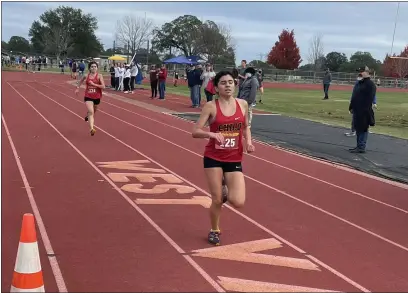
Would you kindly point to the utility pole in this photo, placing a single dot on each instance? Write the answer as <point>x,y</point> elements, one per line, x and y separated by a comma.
<point>395,27</point>
<point>147,53</point>
<point>128,47</point>
<point>114,42</point>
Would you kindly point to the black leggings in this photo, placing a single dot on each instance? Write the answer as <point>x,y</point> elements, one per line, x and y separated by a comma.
<point>126,84</point>
<point>153,85</point>
<point>113,81</point>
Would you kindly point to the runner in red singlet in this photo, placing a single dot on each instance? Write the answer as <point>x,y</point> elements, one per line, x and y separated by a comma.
<point>229,131</point>
<point>93,92</point>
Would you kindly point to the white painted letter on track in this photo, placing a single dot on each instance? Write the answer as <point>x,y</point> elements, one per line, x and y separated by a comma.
<point>144,177</point>
<point>135,165</point>
<point>158,189</point>
<point>203,201</point>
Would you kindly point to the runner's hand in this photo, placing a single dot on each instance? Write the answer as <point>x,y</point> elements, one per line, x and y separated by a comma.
<point>218,137</point>
<point>250,147</point>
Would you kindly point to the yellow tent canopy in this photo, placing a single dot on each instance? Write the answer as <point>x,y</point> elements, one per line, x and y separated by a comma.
<point>117,58</point>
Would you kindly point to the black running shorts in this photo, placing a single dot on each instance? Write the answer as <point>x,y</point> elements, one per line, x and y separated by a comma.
<point>95,101</point>
<point>225,166</point>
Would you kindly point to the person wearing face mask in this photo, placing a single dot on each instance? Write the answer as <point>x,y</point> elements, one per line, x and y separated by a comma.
<point>353,130</point>
<point>361,105</point>
<point>206,76</point>
<point>248,89</point>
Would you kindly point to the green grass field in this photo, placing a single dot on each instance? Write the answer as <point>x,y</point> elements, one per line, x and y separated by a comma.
<point>391,115</point>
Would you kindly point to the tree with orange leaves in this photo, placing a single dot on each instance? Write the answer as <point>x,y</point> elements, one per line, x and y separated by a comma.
<point>395,66</point>
<point>285,54</point>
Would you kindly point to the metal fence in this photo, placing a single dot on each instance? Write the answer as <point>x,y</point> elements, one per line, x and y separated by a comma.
<point>309,77</point>
<point>284,76</point>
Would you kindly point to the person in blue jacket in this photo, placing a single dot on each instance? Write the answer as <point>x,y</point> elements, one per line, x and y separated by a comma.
<point>353,130</point>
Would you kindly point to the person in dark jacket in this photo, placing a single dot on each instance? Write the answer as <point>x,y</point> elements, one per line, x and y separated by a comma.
<point>248,89</point>
<point>360,106</point>
<point>194,83</point>
<point>327,79</point>
<point>353,130</point>
<point>153,75</point>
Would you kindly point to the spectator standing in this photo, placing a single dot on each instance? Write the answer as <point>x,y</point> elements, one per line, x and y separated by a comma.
<point>176,77</point>
<point>353,129</point>
<point>133,73</point>
<point>117,76</point>
<point>241,75</point>
<point>126,79</point>
<point>153,76</point>
<point>194,82</point>
<point>162,81</point>
<point>81,69</point>
<point>207,75</point>
<point>248,90</point>
<point>121,75</point>
<point>327,78</point>
<point>112,75</point>
<point>361,105</point>
<point>74,69</point>
<point>260,78</point>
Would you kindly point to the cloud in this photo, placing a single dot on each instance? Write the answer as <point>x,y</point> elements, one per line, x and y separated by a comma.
<point>345,26</point>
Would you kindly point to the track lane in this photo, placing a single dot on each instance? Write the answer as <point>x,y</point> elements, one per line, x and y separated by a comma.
<point>362,186</point>
<point>14,204</point>
<point>363,212</point>
<point>323,279</point>
<point>339,240</point>
<point>102,244</point>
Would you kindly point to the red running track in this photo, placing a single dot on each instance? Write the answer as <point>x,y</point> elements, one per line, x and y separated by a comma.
<point>306,225</point>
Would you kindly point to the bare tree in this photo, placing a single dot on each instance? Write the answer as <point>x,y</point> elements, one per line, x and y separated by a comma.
<point>133,31</point>
<point>225,30</point>
<point>316,52</point>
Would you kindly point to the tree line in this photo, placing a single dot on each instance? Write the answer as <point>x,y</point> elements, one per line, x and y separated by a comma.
<point>285,54</point>
<point>67,31</point>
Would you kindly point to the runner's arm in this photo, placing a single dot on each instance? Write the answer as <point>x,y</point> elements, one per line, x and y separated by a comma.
<point>102,85</point>
<point>198,131</point>
<point>247,130</point>
<point>79,83</point>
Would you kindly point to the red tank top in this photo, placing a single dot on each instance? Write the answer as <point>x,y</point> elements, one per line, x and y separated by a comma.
<point>93,92</point>
<point>232,129</point>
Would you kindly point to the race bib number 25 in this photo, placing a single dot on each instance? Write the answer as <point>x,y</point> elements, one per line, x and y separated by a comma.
<point>230,143</point>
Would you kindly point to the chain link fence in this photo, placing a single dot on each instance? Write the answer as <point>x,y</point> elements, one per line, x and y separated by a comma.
<point>270,74</point>
<point>311,77</point>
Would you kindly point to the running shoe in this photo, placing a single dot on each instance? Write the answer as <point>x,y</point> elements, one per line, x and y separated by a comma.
<point>86,118</point>
<point>214,237</point>
<point>93,132</point>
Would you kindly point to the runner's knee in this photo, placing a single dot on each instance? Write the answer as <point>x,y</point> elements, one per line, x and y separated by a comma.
<point>237,202</point>
<point>217,200</point>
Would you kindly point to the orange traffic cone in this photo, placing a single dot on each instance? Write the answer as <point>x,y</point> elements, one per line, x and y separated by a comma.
<point>27,276</point>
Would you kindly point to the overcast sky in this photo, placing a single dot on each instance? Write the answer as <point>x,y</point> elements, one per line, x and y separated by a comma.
<point>346,26</point>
